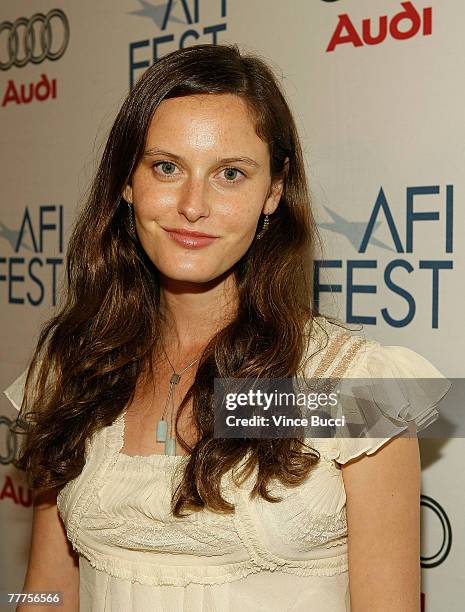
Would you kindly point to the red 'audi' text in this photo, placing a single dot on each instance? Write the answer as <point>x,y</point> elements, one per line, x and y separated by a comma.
<point>346,32</point>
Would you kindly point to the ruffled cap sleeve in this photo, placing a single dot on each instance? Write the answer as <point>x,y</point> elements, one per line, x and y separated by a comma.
<point>399,392</point>
<point>15,391</point>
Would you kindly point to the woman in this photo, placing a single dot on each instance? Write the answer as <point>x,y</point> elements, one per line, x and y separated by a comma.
<point>192,261</point>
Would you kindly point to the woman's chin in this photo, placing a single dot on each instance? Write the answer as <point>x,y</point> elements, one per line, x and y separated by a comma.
<point>189,276</point>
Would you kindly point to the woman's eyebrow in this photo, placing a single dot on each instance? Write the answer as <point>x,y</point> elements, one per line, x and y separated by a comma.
<point>226,160</point>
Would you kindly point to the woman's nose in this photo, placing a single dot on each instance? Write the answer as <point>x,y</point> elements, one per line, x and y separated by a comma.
<point>194,198</point>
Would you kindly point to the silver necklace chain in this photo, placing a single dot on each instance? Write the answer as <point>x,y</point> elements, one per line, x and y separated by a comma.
<point>174,380</point>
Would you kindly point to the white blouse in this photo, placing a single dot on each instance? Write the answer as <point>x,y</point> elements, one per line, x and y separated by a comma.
<point>286,556</point>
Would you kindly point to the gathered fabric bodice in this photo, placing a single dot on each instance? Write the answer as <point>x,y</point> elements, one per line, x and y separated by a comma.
<point>290,555</point>
<point>121,521</point>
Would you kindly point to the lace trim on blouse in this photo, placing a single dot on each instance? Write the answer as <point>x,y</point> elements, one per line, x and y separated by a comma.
<point>103,457</point>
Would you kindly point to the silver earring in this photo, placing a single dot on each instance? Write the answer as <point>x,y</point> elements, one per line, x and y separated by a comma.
<point>264,228</point>
<point>131,218</point>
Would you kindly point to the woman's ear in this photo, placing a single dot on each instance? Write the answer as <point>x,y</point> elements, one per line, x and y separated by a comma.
<point>127,193</point>
<point>276,191</point>
<point>286,167</point>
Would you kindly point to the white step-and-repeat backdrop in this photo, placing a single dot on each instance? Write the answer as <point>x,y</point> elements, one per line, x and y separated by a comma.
<point>378,92</point>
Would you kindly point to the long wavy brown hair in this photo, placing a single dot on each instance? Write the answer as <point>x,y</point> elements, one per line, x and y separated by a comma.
<point>89,356</point>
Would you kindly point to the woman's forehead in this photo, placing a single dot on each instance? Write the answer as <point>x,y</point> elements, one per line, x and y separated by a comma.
<point>205,122</point>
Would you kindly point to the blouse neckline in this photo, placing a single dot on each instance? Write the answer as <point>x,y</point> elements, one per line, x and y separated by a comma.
<point>154,458</point>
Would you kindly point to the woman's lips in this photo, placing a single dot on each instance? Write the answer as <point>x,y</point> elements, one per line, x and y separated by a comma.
<point>189,241</point>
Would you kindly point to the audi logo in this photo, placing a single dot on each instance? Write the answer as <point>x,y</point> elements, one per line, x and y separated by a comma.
<point>439,555</point>
<point>33,40</point>
<point>9,449</point>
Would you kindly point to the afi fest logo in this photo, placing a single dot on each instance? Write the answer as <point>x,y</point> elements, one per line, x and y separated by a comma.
<point>398,271</point>
<point>32,41</point>
<point>373,31</point>
<point>182,23</point>
<point>29,273</point>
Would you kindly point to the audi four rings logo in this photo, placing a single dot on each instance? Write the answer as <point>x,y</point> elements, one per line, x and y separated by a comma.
<point>440,555</point>
<point>10,449</point>
<point>33,40</point>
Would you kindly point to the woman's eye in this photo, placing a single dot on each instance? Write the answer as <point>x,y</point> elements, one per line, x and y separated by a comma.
<point>231,174</point>
<point>168,166</point>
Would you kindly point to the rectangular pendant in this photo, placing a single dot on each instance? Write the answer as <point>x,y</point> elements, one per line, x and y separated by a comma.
<point>162,428</point>
<point>170,446</point>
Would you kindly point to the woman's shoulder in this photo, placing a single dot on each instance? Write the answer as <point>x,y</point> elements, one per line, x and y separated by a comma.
<point>332,344</point>
<point>385,389</point>
<point>331,348</point>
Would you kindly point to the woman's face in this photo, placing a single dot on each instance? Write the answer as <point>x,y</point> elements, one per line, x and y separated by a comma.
<point>204,169</point>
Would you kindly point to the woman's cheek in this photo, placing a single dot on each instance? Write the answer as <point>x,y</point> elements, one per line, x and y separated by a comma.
<point>243,215</point>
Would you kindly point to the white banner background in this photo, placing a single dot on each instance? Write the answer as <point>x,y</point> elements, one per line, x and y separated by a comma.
<point>383,116</point>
